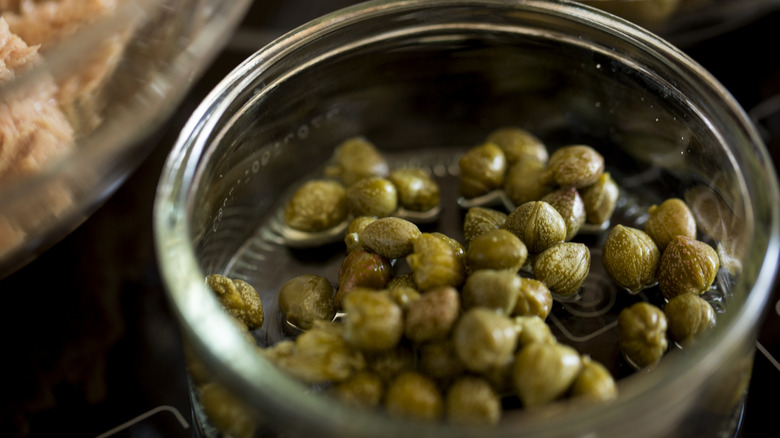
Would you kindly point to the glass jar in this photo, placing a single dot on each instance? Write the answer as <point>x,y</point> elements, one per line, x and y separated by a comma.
<point>425,81</point>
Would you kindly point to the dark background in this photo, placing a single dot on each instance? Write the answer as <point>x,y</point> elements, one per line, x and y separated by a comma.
<point>89,340</point>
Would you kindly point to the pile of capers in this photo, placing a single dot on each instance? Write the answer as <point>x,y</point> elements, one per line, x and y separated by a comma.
<point>359,182</point>
<point>667,254</point>
<point>426,327</point>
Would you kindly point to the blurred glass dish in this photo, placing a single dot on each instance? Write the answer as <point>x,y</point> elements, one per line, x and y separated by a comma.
<point>84,84</point>
<point>427,80</point>
<point>685,22</point>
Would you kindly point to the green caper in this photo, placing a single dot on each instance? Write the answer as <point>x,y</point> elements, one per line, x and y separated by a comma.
<point>319,355</point>
<point>389,364</point>
<point>439,361</point>
<point>403,280</point>
<point>543,372</point>
<point>433,315</point>
<point>316,206</point>
<point>372,197</point>
<point>390,237</point>
<point>533,298</point>
<point>362,268</point>
<point>496,249</point>
<point>630,258</point>
<point>687,266</point>
<point>239,299</point>
<point>518,145</point>
<point>417,191</point>
<point>226,411</point>
<point>479,220</point>
<point>471,400</point>
<point>575,166</point>
<point>523,182</point>
<point>484,339</point>
<point>412,395</point>
<point>538,224</point>
<point>305,299</point>
<point>594,382</point>
<point>494,289</point>
<point>355,227</point>
<point>482,169</point>
<point>563,268</point>
<point>532,329</point>
<point>457,248</point>
<point>600,199</point>
<point>435,262</point>
<point>671,218</point>
<point>641,331</point>
<point>569,204</point>
<point>355,159</point>
<point>363,389</point>
<point>404,296</point>
<point>372,320</point>
<point>688,316</point>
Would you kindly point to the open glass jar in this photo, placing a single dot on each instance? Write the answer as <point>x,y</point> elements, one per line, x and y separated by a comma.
<point>425,81</point>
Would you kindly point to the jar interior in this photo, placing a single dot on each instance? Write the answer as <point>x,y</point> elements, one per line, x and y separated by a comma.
<point>424,95</point>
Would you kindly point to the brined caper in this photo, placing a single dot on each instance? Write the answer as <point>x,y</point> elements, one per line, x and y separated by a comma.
<point>575,166</point>
<point>405,280</point>
<point>435,262</point>
<point>533,298</point>
<point>226,411</point>
<point>496,249</point>
<point>412,395</point>
<point>319,355</point>
<point>389,364</point>
<point>594,382</point>
<point>390,237</point>
<point>532,329</point>
<point>600,199</point>
<point>439,361</point>
<point>543,372</point>
<point>355,159</point>
<point>363,389</point>
<point>404,296</point>
<point>523,182</point>
<point>569,204</point>
<point>457,247</point>
<point>239,299</point>
<point>537,224</point>
<point>484,339</point>
<point>687,266</point>
<point>688,317</point>
<point>417,190</point>
<point>630,257</point>
<point>671,218</point>
<point>482,169</point>
<point>316,206</point>
<point>471,400</point>
<point>305,299</point>
<point>641,331</point>
<point>479,220</point>
<point>563,268</point>
<point>373,196</point>
<point>362,269</point>
<point>518,145</point>
<point>372,320</point>
<point>352,235</point>
<point>433,315</point>
<point>493,289</point>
